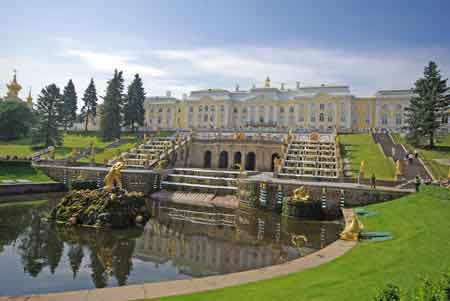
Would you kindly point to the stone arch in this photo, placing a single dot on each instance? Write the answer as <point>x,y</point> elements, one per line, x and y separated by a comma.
<point>207,159</point>
<point>237,159</point>
<point>250,161</point>
<point>223,159</point>
<point>274,156</point>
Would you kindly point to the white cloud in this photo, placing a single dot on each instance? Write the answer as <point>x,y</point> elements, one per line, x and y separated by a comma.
<point>364,72</point>
<point>107,62</point>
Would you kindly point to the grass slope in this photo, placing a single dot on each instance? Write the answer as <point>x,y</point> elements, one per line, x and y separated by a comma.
<point>420,224</point>
<point>20,147</point>
<point>440,151</point>
<point>23,172</point>
<point>358,147</point>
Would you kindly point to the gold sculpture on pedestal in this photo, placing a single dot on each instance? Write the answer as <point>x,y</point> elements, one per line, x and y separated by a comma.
<point>299,240</point>
<point>301,194</point>
<point>361,169</point>
<point>276,166</point>
<point>113,176</point>
<point>353,228</point>
<point>398,168</point>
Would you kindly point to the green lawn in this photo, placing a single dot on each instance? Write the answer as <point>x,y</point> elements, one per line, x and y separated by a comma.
<point>109,153</point>
<point>358,147</point>
<point>420,224</point>
<point>441,150</point>
<point>22,172</point>
<point>20,147</point>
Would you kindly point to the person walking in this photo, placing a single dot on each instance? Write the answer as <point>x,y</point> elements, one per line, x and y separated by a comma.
<point>417,183</point>
<point>373,181</point>
<point>416,154</point>
<point>393,152</point>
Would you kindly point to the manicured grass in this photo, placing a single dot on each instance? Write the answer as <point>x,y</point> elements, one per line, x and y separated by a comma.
<point>358,147</point>
<point>420,224</point>
<point>23,172</point>
<point>109,153</point>
<point>20,147</point>
<point>441,151</point>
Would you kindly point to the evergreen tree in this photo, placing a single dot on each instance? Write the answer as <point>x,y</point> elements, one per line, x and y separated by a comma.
<point>111,112</point>
<point>48,109</point>
<point>68,114</point>
<point>16,119</point>
<point>423,115</point>
<point>89,109</point>
<point>134,112</point>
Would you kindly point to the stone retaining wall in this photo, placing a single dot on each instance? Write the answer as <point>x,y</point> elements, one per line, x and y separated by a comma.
<point>12,189</point>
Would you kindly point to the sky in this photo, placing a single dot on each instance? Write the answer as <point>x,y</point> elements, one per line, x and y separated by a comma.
<point>186,45</point>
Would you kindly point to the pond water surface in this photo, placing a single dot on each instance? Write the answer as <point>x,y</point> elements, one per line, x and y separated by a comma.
<point>38,257</point>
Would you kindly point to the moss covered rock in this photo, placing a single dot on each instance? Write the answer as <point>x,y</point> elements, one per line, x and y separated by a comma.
<point>100,208</point>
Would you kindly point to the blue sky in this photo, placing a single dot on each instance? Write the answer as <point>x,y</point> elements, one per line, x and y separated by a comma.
<point>185,45</point>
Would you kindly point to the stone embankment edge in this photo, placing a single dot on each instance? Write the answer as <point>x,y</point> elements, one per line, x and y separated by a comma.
<point>188,286</point>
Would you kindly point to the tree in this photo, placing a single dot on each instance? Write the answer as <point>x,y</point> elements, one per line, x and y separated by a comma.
<point>89,109</point>
<point>111,112</point>
<point>134,112</point>
<point>68,112</point>
<point>424,113</point>
<point>16,119</point>
<point>48,109</point>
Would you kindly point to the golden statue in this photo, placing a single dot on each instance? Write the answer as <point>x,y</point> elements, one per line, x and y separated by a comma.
<point>160,165</point>
<point>301,194</point>
<point>267,82</point>
<point>338,140</point>
<point>361,168</point>
<point>353,228</point>
<point>145,137</point>
<point>314,136</point>
<point>51,152</point>
<point>398,168</point>
<point>276,165</point>
<point>113,176</point>
<point>92,152</point>
<point>82,176</point>
<point>299,240</point>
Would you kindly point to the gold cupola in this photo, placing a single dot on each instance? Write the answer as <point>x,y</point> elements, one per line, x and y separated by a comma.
<point>13,88</point>
<point>267,82</point>
<point>30,100</point>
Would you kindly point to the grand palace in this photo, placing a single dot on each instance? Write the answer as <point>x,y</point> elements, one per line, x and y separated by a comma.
<point>306,108</point>
<point>318,108</point>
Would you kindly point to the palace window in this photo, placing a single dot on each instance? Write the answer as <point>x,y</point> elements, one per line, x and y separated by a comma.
<point>322,106</point>
<point>321,117</point>
<point>222,108</point>
<point>281,110</point>
<point>235,110</point>
<point>343,113</point>
<point>168,110</point>
<point>191,109</point>
<point>330,116</point>
<point>398,118</point>
<point>200,108</point>
<point>384,118</point>
<point>213,108</point>
<point>160,110</point>
<point>206,108</point>
<point>159,120</point>
<point>445,119</point>
<point>291,109</point>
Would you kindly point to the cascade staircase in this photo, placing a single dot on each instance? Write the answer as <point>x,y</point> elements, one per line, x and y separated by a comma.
<point>218,182</point>
<point>310,159</point>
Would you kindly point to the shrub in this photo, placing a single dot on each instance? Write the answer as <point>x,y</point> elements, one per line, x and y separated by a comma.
<point>390,292</point>
<point>430,290</point>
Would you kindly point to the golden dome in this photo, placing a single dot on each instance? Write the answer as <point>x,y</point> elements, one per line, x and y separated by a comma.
<point>13,88</point>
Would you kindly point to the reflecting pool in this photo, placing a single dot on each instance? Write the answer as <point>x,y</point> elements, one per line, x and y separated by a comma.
<point>176,243</point>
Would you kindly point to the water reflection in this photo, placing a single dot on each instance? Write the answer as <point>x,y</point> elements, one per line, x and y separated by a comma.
<point>37,257</point>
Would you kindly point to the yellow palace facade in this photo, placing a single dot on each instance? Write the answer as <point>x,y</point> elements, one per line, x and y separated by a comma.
<point>320,108</point>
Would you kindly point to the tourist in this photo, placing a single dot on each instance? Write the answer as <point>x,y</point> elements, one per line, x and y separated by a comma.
<point>417,183</point>
<point>416,154</point>
<point>373,181</point>
<point>410,158</point>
